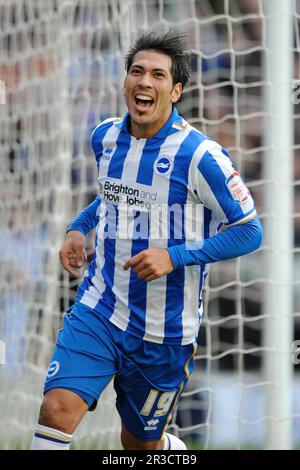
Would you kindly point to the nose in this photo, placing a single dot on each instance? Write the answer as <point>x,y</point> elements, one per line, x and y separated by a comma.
<point>145,80</point>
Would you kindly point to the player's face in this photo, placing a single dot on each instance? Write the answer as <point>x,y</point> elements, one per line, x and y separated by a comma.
<point>149,92</point>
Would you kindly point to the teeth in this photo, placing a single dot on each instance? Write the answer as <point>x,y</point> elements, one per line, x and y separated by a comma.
<point>143,97</point>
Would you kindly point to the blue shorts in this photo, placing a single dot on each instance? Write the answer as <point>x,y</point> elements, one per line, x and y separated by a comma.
<point>148,377</point>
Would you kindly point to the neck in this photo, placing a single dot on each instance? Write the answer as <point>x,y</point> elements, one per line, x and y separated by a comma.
<point>140,132</point>
<point>145,131</point>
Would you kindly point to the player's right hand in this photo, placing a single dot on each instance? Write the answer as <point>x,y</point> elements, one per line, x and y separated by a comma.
<point>72,253</point>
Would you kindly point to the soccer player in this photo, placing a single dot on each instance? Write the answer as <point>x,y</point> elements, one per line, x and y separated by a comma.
<point>138,308</point>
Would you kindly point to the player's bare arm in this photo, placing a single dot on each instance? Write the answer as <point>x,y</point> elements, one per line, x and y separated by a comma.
<point>72,253</point>
<point>151,264</point>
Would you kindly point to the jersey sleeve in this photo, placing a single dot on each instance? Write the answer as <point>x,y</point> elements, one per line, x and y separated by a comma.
<point>237,240</point>
<point>87,219</point>
<point>220,187</point>
<point>98,135</point>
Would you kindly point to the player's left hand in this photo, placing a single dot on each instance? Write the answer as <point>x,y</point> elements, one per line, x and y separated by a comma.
<point>151,264</point>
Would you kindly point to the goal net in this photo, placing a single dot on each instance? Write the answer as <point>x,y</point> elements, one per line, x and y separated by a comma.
<point>61,73</point>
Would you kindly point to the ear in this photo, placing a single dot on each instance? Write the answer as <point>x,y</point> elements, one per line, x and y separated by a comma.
<point>176,92</point>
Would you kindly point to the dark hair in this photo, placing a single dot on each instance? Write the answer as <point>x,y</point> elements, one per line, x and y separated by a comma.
<point>170,43</point>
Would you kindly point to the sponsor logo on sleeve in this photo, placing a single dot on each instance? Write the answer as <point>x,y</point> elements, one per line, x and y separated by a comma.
<point>53,369</point>
<point>237,188</point>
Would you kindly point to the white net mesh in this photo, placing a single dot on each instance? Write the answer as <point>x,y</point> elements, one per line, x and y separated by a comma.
<point>61,72</point>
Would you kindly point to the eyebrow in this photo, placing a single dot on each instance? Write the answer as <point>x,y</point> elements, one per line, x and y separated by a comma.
<point>153,70</point>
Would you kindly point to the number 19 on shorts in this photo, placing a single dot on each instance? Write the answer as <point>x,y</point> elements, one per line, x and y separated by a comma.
<point>163,404</point>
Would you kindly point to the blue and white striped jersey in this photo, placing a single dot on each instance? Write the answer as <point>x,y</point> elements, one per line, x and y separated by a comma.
<point>178,171</point>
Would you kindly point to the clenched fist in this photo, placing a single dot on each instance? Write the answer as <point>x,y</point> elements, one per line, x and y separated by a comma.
<point>72,253</point>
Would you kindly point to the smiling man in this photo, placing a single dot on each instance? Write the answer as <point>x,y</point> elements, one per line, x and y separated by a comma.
<point>150,92</point>
<point>138,308</point>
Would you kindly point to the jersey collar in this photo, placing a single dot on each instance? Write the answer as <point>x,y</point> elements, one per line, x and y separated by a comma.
<point>163,131</point>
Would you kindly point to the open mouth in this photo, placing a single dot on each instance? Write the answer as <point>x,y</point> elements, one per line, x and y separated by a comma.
<point>143,101</point>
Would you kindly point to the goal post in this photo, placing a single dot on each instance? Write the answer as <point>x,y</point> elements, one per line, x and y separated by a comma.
<point>61,73</point>
<point>279,168</point>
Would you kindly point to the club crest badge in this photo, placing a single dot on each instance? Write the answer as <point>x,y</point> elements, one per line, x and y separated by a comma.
<point>163,165</point>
